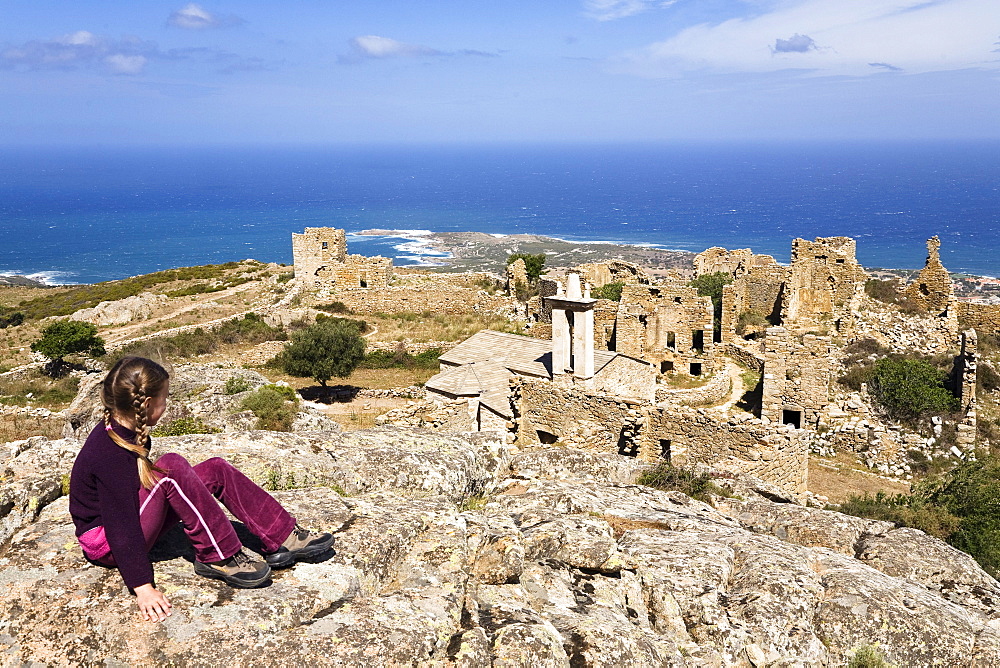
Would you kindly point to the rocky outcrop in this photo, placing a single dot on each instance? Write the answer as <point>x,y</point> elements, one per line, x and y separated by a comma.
<point>197,391</point>
<point>455,550</point>
<point>122,311</point>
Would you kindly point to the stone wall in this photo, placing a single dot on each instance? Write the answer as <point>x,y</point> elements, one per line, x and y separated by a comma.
<point>317,247</point>
<point>667,325</point>
<point>605,315</point>
<point>826,285</point>
<point>687,436</point>
<point>984,318</point>
<point>749,354</point>
<point>627,378</point>
<point>547,414</point>
<point>758,288</point>
<point>797,377</point>
<point>451,300</point>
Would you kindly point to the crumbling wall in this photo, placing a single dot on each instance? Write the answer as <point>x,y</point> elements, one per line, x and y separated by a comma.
<point>965,383</point>
<point>358,271</point>
<point>826,285</point>
<point>687,436</point>
<point>451,300</point>
<point>668,325</point>
<point>570,416</point>
<point>517,274</point>
<point>932,290</point>
<point>717,259</point>
<point>900,332</point>
<point>718,388</point>
<point>605,315</point>
<point>613,271</point>
<point>984,318</point>
<point>796,377</point>
<point>759,287</point>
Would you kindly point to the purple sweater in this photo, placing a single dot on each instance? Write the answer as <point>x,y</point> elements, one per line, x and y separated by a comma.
<point>104,491</point>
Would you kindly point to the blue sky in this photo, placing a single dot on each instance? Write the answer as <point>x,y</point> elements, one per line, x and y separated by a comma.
<point>133,73</point>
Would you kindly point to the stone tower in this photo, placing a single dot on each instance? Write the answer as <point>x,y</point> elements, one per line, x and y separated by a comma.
<point>932,290</point>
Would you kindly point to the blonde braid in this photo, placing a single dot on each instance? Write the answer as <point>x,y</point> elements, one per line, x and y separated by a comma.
<point>126,389</point>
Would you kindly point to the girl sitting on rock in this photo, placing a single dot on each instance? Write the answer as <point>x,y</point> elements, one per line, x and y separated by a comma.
<point>121,502</point>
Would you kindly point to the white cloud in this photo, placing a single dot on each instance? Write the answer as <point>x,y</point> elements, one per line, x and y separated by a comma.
<point>195,17</point>
<point>122,64</point>
<point>609,10</point>
<point>832,38</point>
<point>79,38</point>
<point>373,46</point>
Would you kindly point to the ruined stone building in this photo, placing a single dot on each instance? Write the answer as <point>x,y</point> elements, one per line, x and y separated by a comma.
<point>321,260</point>
<point>796,379</point>
<point>480,369</point>
<point>668,325</point>
<point>825,286</point>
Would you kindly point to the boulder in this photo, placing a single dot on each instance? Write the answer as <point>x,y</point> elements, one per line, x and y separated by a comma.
<point>121,311</point>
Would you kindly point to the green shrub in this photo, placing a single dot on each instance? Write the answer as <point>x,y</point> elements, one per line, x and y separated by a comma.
<point>184,425</point>
<point>710,285</point>
<point>285,276</point>
<point>274,406</point>
<point>987,379</point>
<point>972,493</point>
<point>337,308</point>
<point>612,291</point>
<point>400,359</point>
<point>235,385</point>
<point>68,337</point>
<point>903,510</point>
<point>10,318</point>
<point>868,656</point>
<point>668,477</point>
<point>909,389</point>
<point>889,292</point>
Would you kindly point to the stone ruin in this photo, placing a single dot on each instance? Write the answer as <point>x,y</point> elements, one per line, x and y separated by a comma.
<point>321,260</point>
<point>932,290</point>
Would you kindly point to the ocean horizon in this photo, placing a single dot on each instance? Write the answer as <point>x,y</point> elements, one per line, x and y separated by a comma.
<point>87,215</point>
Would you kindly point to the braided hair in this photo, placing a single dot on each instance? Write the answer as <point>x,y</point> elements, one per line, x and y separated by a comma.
<point>131,381</point>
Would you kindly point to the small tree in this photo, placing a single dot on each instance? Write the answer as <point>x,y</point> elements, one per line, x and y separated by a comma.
<point>534,265</point>
<point>330,347</point>
<point>67,337</point>
<point>612,291</point>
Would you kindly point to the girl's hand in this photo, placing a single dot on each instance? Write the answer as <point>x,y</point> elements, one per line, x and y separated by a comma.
<point>153,605</point>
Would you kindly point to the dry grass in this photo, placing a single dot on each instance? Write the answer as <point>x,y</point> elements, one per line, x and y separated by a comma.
<point>680,381</point>
<point>20,427</point>
<point>427,326</point>
<point>843,476</point>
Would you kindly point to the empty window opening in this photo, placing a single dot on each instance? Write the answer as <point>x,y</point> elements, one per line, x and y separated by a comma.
<point>666,366</point>
<point>363,283</point>
<point>626,446</point>
<point>836,324</point>
<point>696,368</point>
<point>665,450</point>
<point>698,339</point>
<point>326,245</point>
<point>840,260</point>
<point>671,341</point>
<point>677,300</point>
<point>545,437</point>
<point>793,418</point>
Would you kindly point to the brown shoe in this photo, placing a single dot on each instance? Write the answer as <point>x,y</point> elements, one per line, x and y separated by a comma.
<point>301,545</point>
<point>239,571</point>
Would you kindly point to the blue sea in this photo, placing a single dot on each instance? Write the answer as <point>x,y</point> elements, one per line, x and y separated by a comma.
<point>87,215</point>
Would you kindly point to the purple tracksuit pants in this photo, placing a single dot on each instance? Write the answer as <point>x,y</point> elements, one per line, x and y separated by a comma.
<point>191,495</point>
